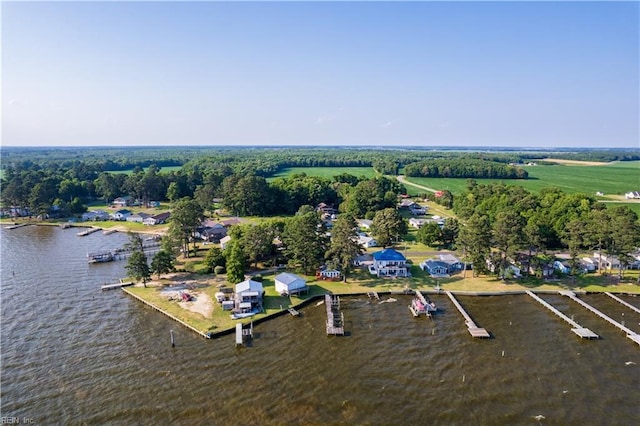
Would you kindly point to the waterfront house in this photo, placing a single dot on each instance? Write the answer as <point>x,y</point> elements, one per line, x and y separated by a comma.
<point>95,215</point>
<point>249,296</point>
<point>435,268</point>
<point>608,262</point>
<point>138,217</point>
<point>453,263</point>
<point>288,284</point>
<point>121,214</point>
<point>157,219</point>
<point>389,263</point>
<point>328,273</point>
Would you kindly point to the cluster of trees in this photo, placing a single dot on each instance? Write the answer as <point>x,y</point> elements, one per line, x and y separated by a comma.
<point>302,242</point>
<point>512,221</point>
<point>464,168</point>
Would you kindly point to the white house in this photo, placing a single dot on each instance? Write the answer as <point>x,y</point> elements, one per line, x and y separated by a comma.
<point>632,195</point>
<point>389,263</point>
<point>561,266</point>
<point>435,268</point>
<point>122,201</point>
<point>288,284</point>
<point>367,241</point>
<point>121,214</point>
<point>249,292</point>
<point>224,242</point>
<point>417,223</point>
<point>138,217</point>
<point>157,219</point>
<point>95,215</point>
<point>328,273</point>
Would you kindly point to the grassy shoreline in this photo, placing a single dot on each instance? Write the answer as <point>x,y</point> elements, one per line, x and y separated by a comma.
<point>220,323</point>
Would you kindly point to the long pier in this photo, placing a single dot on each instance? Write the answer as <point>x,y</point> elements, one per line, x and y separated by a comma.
<point>88,231</point>
<point>630,333</point>
<point>16,226</point>
<point>628,305</point>
<point>116,285</point>
<point>581,331</point>
<point>205,335</point>
<point>474,330</point>
<point>335,319</point>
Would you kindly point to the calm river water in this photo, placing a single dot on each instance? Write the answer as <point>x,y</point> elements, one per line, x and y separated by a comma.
<point>72,354</point>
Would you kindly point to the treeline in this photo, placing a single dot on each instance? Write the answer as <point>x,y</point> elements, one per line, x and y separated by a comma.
<point>499,223</point>
<point>464,168</point>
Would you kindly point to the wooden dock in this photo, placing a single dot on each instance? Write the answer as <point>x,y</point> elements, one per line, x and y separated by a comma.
<point>293,312</point>
<point>373,295</point>
<point>109,231</point>
<point>16,226</point>
<point>116,285</point>
<point>628,305</point>
<point>630,333</point>
<point>335,318</point>
<point>581,331</point>
<point>474,330</point>
<point>88,231</point>
<point>242,332</point>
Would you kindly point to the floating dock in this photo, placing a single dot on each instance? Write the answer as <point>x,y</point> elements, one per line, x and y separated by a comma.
<point>335,318</point>
<point>474,330</point>
<point>630,333</point>
<point>628,305</point>
<point>420,305</point>
<point>581,331</point>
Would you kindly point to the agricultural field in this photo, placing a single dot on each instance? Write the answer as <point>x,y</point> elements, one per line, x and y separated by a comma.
<point>327,172</point>
<point>612,179</point>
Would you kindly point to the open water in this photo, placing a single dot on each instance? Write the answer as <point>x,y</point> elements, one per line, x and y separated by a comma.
<point>72,354</point>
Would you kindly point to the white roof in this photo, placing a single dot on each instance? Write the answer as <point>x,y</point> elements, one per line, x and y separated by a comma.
<point>249,285</point>
<point>288,278</point>
<point>225,239</point>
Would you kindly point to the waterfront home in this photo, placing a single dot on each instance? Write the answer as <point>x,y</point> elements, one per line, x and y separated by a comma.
<point>249,295</point>
<point>121,214</point>
<point>608,262</point>
<point>453,263</point>
<point>138,217</point>
<point>328,273</point>
<point>122,201</point>
<point>389,263</point>
<point>435,268</point>
<point>157,219</point>
<point>95,215</point>
<point>288,284</point>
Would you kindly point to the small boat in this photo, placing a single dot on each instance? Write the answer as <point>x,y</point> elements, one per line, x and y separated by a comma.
<point>421,306</point>
<point>102,257</point>
<point>242,315</point>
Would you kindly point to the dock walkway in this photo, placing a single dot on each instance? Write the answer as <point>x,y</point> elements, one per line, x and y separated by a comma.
<point>581,331</point>
<point>628,305</point>
<point>335,318</point>
<point>116,285</point>
<point>474,330</point>
<point>630,333</point>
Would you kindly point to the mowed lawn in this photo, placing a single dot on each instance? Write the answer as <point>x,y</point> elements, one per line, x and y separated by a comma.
<point>611,179</point>
<point>327,172</point>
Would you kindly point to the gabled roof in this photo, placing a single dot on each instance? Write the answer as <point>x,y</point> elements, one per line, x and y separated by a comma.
<point>249,285</point>
<point>388,254</point>
<point>449,259</point>
<point>288,278</point>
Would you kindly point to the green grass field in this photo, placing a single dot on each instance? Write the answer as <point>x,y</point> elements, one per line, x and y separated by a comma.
<point>327,172</point>
<point>616,178</point>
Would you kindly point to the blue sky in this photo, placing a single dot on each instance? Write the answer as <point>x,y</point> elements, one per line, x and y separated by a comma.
<point>534,74</point>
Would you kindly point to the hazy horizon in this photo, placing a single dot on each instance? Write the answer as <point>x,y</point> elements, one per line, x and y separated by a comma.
<point>522,75</point>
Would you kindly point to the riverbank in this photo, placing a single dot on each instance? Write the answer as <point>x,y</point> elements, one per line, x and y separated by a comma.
<point>210,320</point>
<point>124,227</point>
